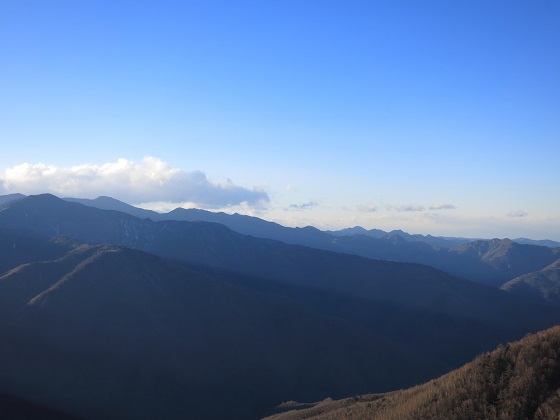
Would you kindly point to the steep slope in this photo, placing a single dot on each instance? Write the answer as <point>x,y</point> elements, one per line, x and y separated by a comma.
<point>541,285</point>
<point>108,332</point>
<point>518,381</point>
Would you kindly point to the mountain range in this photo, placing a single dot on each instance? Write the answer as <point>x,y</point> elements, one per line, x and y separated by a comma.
<point>192,319</point>
<point>490,262</point>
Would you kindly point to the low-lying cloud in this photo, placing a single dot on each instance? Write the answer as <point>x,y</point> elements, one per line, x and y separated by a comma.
<point>442,207</point>
<point>410,207</point>
<point>517,213</point>
<point>149,180</point>
<point>304,206</point>
<point>367,208</point>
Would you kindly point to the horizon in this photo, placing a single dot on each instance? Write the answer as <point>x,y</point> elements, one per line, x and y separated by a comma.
<point>430,117</point>
<point>164,211</point>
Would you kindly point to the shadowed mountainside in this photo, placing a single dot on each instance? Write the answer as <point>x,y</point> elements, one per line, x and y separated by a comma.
<point>109,332</point>
<point>19,246</point>
<point>541,285</point>
<point>438,315</point>
<point>518,381</point>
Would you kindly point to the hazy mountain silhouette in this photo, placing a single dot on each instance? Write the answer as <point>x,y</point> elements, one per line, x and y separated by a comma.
<point>491,262</point>
<point>109,332</point>
<point>542,242</point>
<point>499,260</point>
<point>518,381</point>
<point>411,304</point>
<point>108,203</point>
<point>10,197</point>
<point>541,285</point>
<point>245,321</point>
<point>214,245</point>
<point>435,241</point>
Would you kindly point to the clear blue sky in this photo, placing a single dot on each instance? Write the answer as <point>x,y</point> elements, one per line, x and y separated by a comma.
<point>329,113</point>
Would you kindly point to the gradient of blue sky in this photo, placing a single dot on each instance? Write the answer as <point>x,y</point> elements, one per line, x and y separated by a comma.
<point>353,105</point>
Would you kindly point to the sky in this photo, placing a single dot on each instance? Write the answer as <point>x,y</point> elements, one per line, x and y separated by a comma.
<point>429,116</point>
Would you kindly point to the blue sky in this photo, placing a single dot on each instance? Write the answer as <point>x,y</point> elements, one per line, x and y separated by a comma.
<point>428,116</point>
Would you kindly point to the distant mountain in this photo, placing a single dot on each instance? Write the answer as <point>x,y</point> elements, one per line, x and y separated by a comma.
<point>491,262</point>
<point>518,381</point>
<point>496,261</point>
<point>541,285</point>
<point>108,203</point>
<point>545,242</point>
<point>478,261</point>
<point>403,302</point>
<point>10,197</point>
<point>435,241</point>
<point>246,225</point>
<point>109,332</point>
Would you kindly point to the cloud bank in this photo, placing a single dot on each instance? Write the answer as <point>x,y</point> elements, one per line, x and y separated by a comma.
<point>150,180</point>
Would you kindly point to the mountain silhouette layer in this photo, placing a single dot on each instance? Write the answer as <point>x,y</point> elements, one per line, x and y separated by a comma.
<point>107,332</point>
<point>110,315</point>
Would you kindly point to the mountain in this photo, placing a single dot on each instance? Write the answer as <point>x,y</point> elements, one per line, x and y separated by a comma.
<point>435,241</point>
<point>415,306</point>
<point>21,246</point>
<point>541,285</point>
<point>10,197</point>
<point>544,242</point>
<point>457,256</point>
<point>110,332</point>
<point>490,262</point>
<point>108,203</point>
<point>246,225</point>
<point>499,260</point>
<point>518,381</point>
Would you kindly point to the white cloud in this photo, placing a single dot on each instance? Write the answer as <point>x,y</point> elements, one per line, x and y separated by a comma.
<point>304,206</point>
<point>410,207</point>
<point>150,180</point>
<point>367,208</point>
<point>517,213</point>
<point>442,207</point>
